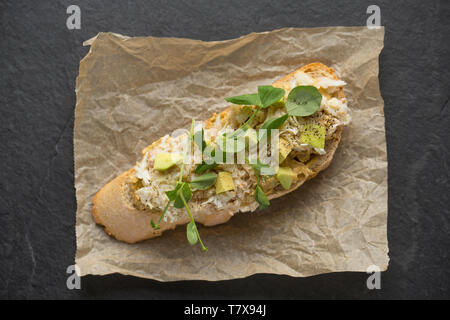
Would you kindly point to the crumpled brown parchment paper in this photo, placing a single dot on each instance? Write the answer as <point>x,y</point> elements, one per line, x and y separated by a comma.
<point>131,91</point>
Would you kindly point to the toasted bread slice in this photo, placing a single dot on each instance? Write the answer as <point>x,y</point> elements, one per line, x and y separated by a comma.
<point>114,209</point>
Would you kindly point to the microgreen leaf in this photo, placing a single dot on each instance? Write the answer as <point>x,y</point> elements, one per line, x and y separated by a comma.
<point>245,99</point>
<point>202,167</point>
<point>192,222</point>
<point>205,181</point>
<point>272,124</point>
<point>199,139</point>
<point>268,95</point>
<point>275,123</point>
<point>191,233</point>
<point>303,101</point>
<point>260,167</point>
<point>186,192</point>
<point>172,194</point>
<point>261,198</point>
<point>175,195</point>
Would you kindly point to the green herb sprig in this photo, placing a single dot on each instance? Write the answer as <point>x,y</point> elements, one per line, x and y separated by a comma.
<point>266,96</point>
<point>180,197</point>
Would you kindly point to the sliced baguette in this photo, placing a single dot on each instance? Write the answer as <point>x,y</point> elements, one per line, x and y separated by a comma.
<point>113,209</point>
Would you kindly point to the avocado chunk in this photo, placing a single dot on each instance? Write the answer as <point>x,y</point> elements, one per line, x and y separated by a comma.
<point>284,147</point>
<point>285,175</point>
<point>224,182</point>
<point>314,135</point>
<point>166,160</point>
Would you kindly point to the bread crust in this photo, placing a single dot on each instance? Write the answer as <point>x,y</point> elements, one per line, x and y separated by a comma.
<point>114,211</point>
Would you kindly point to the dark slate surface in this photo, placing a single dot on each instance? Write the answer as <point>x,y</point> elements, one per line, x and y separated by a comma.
<point>39,64</point>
